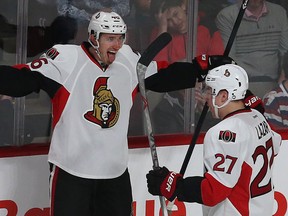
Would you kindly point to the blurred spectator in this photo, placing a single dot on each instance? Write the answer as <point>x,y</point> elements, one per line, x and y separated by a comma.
<point>61,31</point>
<point>208,11</point>
<point>143,6</point>
<point>283,3</point>
<point>216,46</point>
<point>140,24</point>
<point>168,115</point>
<point>276,101</point>
<point>261,38</point>
<point>41,12</point>
<point>83,10</point>
<point>6,30</point>
<point>171,16</point>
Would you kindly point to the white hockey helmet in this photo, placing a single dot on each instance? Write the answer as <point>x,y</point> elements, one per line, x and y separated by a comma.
<point>229,77</point>
<point>106,22</point>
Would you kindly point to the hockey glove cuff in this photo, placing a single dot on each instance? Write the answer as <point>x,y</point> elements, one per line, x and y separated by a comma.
<point>254,102</point>
<point>206,63</point>
<point>163,182</point>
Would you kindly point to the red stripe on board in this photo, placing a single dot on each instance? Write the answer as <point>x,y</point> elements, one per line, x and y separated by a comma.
<point>26,150</point>
<point>134,142</point>
<point>163,140</point>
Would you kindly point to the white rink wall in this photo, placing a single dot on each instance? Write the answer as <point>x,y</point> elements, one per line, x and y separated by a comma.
<point>24,182</point>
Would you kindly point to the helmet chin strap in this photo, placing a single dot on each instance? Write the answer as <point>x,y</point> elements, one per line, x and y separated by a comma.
<point>216,107</point>
<point>96,48</point>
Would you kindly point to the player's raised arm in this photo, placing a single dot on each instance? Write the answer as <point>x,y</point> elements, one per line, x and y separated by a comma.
<point>182,75</point>
<point>19,81</point>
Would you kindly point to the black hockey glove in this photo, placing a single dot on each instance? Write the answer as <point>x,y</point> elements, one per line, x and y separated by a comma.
<point>206,63</point>
<point>254,102</point>
<point>163,182</point>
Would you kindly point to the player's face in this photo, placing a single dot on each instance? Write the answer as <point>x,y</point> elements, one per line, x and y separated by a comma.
<point>144,5</point>
<point>209,98</point>
<point>109,45</point>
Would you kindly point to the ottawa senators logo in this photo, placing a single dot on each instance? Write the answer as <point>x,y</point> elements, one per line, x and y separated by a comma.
<point>227,136</point>
<point>106,107</point>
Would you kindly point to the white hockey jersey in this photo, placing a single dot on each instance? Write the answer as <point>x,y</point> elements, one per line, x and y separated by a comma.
<point>91,110</point>
<point>238,156</point>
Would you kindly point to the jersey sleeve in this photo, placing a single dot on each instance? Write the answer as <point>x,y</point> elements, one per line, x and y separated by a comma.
<point>56,63</point>
<point>48,73</point>
<point>277,141</point>
<point>19,81</point>
<point>177,76</point>
<point>223,161</point>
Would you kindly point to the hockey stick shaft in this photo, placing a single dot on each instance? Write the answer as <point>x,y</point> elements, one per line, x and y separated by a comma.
<point>148,55</point>
<point>235,27</point>
<point>206,108</point>
<point>194,139</point>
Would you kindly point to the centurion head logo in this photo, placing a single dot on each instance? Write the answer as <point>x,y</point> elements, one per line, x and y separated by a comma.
<point>106,107</point>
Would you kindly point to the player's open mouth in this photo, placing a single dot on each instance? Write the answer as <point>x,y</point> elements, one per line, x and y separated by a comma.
<point>111,55</point>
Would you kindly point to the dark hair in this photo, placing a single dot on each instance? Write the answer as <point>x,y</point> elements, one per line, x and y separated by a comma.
<point>172,3</point>
<point>157,5</point>
<point>63,29</point>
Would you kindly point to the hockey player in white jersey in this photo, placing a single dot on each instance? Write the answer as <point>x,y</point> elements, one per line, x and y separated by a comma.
<point>238,155</point>
<point>92,87</point>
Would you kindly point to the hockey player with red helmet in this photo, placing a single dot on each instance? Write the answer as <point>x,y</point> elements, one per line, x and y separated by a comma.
<point>238,155</point>
<point>91,87</point>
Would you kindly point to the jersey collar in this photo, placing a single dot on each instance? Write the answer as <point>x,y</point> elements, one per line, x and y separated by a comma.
<point>85,46</point>
<point>246,109</point>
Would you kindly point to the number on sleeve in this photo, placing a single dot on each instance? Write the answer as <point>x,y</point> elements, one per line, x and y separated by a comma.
<point>37,63</point>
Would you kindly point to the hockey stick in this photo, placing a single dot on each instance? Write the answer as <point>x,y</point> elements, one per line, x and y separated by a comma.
<point>206,108</point>
<point>148,55</point>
